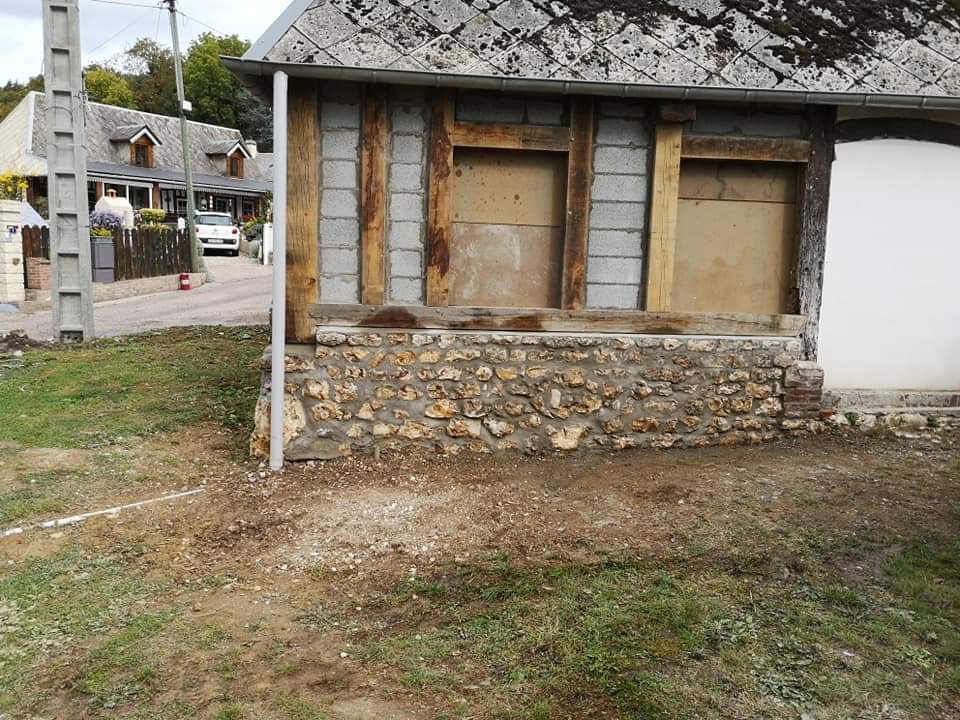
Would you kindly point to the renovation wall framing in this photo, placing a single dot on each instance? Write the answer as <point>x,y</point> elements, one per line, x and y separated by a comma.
<point>423,222</point>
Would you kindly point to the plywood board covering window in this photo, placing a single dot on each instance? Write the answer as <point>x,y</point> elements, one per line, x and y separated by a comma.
<point>736,237</point>
<point>506,245</point>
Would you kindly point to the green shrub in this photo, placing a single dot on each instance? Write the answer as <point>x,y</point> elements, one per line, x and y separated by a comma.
<point>152,216</point>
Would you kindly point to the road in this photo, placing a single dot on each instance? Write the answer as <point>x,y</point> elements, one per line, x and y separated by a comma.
<point>240,296</point>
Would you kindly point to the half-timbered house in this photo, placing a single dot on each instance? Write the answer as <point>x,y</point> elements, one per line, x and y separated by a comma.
<point>529,224</point>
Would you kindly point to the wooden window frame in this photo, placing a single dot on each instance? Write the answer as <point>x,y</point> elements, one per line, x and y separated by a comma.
<point>576,139</point>
<point>148,146</point>
<point>671,146</point>
<point>237,157</point>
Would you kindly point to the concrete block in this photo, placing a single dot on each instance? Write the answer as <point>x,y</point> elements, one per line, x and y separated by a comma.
<point>341,174</point>
<point>479,108</point>
<point>339,204</point>
<point>339,261</point>
<point>615,243</point>
<point>406,177</point>
<point>626,271</point>
<point>620,160</point>
<point>339,115</point>
<point>407,120</point>
<point>543,112</point>
<point>341,145</point>
<point>339,288</point>
<point>621,188</point>
<point>617,216</point>
<point>407,149</point>
<point>619,131</point>
<point>339,233</point>
<point>405,235</point>
<point>624,109</point>
<point>406,291</point>
<point>406,206</point>
<point>409,94</point>
<point>406,263</point>
<point>622,297</point>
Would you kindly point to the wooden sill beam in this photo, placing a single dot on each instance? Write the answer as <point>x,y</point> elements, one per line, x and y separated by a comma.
<point>721,147</point>
<point>553,320</point>
<point>511,137</point>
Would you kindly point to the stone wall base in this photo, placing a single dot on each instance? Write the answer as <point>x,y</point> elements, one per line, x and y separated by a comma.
<point>357,390</point>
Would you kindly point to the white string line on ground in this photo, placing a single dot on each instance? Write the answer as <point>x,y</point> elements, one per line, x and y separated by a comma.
<point>76,519</point>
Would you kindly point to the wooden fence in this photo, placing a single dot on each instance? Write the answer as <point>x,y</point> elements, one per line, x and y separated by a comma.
<point>137,253</point>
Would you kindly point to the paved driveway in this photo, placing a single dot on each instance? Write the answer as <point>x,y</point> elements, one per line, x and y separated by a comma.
<point>240,295</point>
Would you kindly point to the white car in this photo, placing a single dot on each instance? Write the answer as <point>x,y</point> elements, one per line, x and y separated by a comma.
<point>216,231</point>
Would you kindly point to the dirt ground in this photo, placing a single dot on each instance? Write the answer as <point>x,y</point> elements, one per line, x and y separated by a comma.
<point>315,552</point>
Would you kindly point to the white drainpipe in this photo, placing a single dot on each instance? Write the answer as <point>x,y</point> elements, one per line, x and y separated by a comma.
<point>278,339</point>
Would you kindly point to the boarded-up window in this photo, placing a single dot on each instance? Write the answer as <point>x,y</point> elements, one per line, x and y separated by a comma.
<point>506,245</point>
<point>736,237</point>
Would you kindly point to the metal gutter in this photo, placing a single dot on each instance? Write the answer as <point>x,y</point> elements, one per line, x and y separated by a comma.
<point>250,71</point>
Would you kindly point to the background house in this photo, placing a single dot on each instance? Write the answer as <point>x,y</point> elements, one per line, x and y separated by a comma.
<point>139,155</point>
<point>591,186</point>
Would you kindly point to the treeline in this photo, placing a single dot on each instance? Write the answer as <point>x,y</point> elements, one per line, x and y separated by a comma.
<point>143,78</point>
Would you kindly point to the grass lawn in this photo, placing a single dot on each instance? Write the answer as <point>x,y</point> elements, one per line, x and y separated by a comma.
<point>816,580</point>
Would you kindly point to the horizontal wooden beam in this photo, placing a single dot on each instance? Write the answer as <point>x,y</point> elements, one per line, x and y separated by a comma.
<point>511,137</point>
<point>551,320</point>
<point>721,147</point>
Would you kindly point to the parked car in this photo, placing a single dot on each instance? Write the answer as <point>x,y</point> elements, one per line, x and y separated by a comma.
<point>216,231</point>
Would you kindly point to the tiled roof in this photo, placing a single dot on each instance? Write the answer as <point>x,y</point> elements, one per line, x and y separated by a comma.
<point>103,121</point>
<point>909,47</point>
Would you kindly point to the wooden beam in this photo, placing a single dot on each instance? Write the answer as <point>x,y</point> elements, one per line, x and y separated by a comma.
<point>511,137</point>
<point>722,147</point>
<point>663,215</point>
<point>814,206</point>
<point>372,199</point>
<point>440,198</point>
<point>551,320</point>
<point>579,181</point>
<point>303,207</point>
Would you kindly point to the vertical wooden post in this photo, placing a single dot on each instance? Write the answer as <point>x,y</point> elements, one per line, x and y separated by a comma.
<point>579,179</point>
<point>303,208</point>
<point>440,198</point>
<point>372,200</point>
<point>815,204</point>
<point>663,216</point>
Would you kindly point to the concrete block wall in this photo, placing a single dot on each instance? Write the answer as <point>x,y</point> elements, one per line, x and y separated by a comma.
<point>407,154</point>
<point>618,212</point>
<point>340,195</point>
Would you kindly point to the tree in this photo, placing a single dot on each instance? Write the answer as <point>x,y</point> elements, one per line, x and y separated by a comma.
<point>13,92</point>
<point>106,86</point>
<point>216,95</point>
<point>148,69</point>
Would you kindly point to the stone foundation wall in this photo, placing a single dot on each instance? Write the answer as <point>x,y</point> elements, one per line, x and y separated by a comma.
<point>356,390</point>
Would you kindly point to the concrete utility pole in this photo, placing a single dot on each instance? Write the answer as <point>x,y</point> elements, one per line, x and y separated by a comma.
<point>196,252</point>
<point>70,274</point>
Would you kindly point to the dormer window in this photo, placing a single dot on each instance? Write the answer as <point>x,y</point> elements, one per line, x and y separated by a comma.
<point>231,153</point>
<point>141,154</point>
<point>235,166</point>
<point>142,142</point>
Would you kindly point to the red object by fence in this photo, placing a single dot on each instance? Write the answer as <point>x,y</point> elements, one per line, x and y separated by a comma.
<point>184,281</point>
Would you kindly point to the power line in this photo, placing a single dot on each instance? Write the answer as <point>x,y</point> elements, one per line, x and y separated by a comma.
<point>116,34</point>
<point>200,22</point>
<point>128,4</point>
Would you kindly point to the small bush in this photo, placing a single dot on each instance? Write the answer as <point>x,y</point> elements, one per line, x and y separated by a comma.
<point>12,186</point>
<point>152,216</point>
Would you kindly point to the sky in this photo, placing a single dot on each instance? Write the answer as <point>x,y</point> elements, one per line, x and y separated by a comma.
<point>108,27</point>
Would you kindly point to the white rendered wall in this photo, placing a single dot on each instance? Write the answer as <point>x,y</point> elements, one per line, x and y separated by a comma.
<point>891,297</point>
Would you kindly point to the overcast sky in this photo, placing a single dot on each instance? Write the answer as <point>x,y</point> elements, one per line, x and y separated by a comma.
<point>107,28</point>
